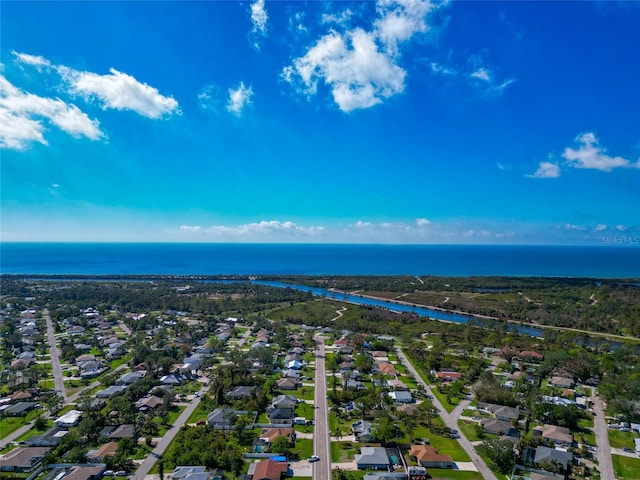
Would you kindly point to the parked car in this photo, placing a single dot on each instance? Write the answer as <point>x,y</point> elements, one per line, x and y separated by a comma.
<point>121,473</point>
<point>628,450</point>
<point>314,458</point>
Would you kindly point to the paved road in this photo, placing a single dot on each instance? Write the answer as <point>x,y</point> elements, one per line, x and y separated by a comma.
<point>603,453</point>
<point>451,421</point>
<point>124,328</point>
<point>321,469</point>
<point>58,380</point>
<point>163,444</point>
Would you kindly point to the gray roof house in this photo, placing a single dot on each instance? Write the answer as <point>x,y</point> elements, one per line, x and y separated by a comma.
<point>111,391</point>
<point>240,392</point>
<point>552,455</point>
<point>284,401</point>
<point>131,377</point>
<point>374,458</point>
<point>223,418</point>
<point>362,431</point>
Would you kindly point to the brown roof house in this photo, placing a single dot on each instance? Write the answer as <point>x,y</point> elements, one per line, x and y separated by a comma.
<point>23,459</point>
<point>427,456</point>
<point>269,470</point>
<point>553,435</point>
<point>99,455</point>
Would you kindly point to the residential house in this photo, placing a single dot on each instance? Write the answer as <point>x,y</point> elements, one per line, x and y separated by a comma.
<point>428,457</point>
<point>123,431</point>
<point>284,401</point>
<point>448,376</point>
<point>553,435</point>
<point>545,456</point>
<point>240,392</point>
<point>495,426</point>
<point>19,409</point>
<point>362,431</point>
<point>387,476</point>
<point>400,397</point>
<point>561,382</point>
<point>20,396</point>
<point>385,368</point>
<point>23,459</point>
<point>99,455</point>
<point>175,378</point>
<point>530,356</point>
<point>396,384</point>
<point>373,458</point>
<point>224,418</point>
<point>149,403</point>
<point>408,409</point>
<point>85,472</point>
<point>50,438</point>
<point>501,412</point>
<point>287,383</point>
<point>111,391</point>
<point>291,373</point>
<point>269,435</point>
<point>270,470</point>
<point>131,378</point>
<point>279,415</point>
<point>69,419</point>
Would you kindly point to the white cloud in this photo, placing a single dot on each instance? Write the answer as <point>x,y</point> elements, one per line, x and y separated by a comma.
<point>256,231</point>
<point>120,91</point>
<point>421,222</point>
<point>239,98</point>
<point>358,74</point>
<point>22,115</point>
<point>440,69</point>
<point>482,74</point>
<point>341,19</point>
<point>259,17</point>
<point>360,67</point>
<point>621,228</point>
<point>33,60</point>
<point>546,170</point>
<point>600,227</point>
<point>592,156</point>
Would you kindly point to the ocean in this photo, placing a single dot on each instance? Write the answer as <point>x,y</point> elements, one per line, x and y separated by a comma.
<point>605,261</point>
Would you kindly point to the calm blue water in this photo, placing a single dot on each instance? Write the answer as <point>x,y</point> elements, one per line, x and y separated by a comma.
<point>250,259</point>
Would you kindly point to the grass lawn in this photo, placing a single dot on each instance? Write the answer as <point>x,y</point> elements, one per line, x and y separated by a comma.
<point>335,422</point>
<point>586,422</point>
<point>343,451</point>
<point>618,439</point>
<point>449,446</point>
<point>351,474</point>
<point>469,430</point>
<point>198,414</point>
<point>11,424</point>
<point>449,407</point>
<point>303,448</point>
<point>626,468</point>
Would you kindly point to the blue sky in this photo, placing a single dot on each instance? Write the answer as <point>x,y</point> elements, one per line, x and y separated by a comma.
<point>344,122</point>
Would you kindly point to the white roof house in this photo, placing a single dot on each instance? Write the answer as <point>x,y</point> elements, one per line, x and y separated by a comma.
<point>69,419</point>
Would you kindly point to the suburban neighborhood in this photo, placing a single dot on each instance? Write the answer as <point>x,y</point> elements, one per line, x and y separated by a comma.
<point>203,383</point>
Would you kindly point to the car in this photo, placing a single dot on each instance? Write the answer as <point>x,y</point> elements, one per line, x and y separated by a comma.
<point>314,458</point>
<point>628,450</point>
<point>108,473</point>
<point>196,395</point>
<point>121,473</point>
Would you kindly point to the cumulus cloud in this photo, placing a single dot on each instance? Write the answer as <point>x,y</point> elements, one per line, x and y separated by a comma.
<point>360,67</point>
<point>600,227</point>
<point>120,91</point>
<point>259,17</point>
<point>33,60</point>
<point>546,170</point>
<point>591,155</point>
<point>239,98</point>
<point>22,115</point>
<point>421,222</point>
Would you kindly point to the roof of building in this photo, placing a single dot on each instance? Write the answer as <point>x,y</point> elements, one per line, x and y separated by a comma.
<point>546,454</point>
<point>123,431</point>
<point>268,469</point>
<point>270,434</point>
<point>23,457</point>
<point>372,456</point>
<point>554,432</point>
<point>495,425</point>
<point>84,472</point>
<point>426,453</point>
<point>109,448</point>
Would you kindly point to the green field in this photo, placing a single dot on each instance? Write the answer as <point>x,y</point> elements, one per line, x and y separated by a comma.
<point>618,439</point>
<point>626,468</point>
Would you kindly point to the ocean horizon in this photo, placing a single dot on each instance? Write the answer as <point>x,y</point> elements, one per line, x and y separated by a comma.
<point>318,259</point>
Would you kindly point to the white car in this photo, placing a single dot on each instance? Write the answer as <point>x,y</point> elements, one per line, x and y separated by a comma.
<point>314,458</point>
